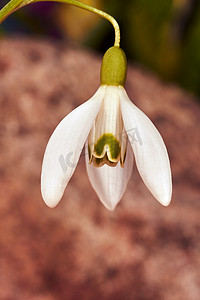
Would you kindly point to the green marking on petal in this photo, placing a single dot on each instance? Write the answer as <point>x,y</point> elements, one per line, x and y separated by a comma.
<point>122,160</point>
<point>89,153</point>
<point>113,144</point>
<point>98,162</point>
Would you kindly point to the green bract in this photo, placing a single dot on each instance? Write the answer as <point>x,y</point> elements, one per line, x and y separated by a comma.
<point>114,67</point>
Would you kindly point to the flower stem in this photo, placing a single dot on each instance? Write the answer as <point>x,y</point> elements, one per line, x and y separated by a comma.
<point>13,5</point>
<point>8,9</point>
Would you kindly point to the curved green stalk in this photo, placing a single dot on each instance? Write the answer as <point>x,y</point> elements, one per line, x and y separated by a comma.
<point>13,5</point>
<point>8,9</point>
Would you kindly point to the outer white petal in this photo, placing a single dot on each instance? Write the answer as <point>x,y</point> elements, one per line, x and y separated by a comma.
<point>149,149</point>
<point>64,148</point>
<point>110,182</point>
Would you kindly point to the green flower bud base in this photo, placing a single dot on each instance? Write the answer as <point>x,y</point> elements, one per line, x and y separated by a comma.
<point>114,67</point>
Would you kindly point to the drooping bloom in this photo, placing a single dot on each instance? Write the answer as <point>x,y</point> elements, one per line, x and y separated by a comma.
<point>114,132</point>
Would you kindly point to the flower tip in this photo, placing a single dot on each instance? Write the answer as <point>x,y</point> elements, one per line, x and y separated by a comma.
<point>51,198</point>
<point>111,206</point>
<point>50,205</point>
<point>166,202</point>
<point>110,203</point>
<point>165,199</point>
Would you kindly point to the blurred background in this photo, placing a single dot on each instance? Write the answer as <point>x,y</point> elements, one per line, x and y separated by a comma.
<point>50,57</point>
<point>162,35</point>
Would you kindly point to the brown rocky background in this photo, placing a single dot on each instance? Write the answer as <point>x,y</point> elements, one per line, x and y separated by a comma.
<point>79,250</point>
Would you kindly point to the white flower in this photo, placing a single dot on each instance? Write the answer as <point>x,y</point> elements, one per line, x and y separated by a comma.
<point>114,131</point>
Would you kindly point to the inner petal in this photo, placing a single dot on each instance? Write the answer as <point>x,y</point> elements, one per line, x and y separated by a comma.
<point>106,140</point>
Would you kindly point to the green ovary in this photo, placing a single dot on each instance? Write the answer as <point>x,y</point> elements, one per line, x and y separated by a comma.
<point>113,144</point>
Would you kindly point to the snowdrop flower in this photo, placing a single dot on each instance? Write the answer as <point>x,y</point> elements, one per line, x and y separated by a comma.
<point>114,132</point>
<point>113,129</point>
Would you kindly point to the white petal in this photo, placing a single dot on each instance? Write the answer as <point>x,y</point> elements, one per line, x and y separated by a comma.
<point>64,148</point>
<point>149,149</point>
<point>110,182</point>
<point>108,122</point>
